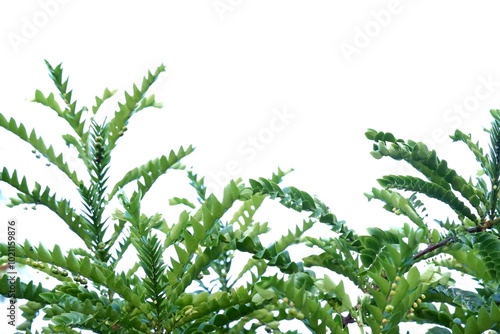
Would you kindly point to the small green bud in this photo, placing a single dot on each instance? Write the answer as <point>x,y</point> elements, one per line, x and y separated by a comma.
<point>389,308</point>
<point>127,307</point>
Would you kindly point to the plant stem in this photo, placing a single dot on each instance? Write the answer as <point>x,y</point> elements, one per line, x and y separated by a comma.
<point>444,242</point>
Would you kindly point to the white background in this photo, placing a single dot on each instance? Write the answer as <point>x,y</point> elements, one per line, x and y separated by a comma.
<point>414,68</point>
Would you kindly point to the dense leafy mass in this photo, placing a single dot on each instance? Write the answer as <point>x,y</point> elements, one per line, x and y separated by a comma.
<point>186,278</point>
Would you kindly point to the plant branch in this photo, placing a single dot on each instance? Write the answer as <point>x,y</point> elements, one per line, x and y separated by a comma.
<point>433,247</point>
<point>444,242</point>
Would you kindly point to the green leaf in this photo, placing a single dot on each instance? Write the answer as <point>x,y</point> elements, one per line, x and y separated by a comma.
<point>100,100</point>
<point>38,144</point>
<point>72,117</point>
<point>184,201</point>
<point>61,207</point>
<point>48,101</point>
<point>430,189</point>
<point>265,293</point>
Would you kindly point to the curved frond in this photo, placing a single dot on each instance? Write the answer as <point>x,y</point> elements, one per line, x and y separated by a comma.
<point>489,249</point>
<point>150,171</point>
<point>427,162</point>
<point>398,204</point>
<point>39,145</point>
<point>475,149</point>
<point>37,195</point>
<point>73,117</point>
<point>295,199</point>
<point>100,100</point>
<point>430,189</point>
<point>133,103</point>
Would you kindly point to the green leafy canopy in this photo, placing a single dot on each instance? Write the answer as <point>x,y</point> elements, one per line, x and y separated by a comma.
<point>209,271</point>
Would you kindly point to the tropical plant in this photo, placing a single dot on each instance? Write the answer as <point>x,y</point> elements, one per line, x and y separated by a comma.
<point>467,243</point>
<point>192,276</point>
<point>184,280</point>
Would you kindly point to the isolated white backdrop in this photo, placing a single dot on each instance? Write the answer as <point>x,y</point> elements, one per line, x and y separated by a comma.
<point>330,70</point>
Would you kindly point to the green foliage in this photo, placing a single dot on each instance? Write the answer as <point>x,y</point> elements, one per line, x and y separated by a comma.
<point>469,244</point>
<point>185,279</point>
<point>210,270</point>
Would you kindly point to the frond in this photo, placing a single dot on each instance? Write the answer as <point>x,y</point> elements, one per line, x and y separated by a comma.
<point>426,162</point>
<point>73,117</point>
<point>482,158</point>
<point>316,317</point>
<point>198,184</point>
<point>295,199</point>
<point>430,189</point>
<point>150,171</point>
<point>398,204</point>
<point>39,145</point>
<point>37,195</point>
<point>134,102</point>
<point>100,100</point>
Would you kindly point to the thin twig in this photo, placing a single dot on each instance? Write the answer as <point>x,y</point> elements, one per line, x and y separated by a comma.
<point>446,241</point>
<point>433,247</point>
